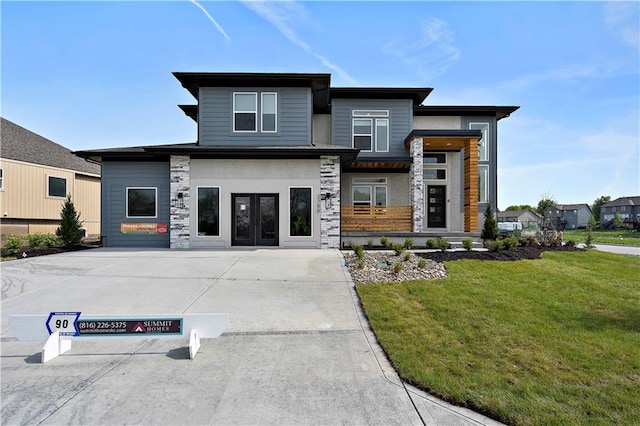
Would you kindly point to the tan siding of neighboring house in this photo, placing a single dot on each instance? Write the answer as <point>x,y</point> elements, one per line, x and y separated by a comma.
<point>27,208</point>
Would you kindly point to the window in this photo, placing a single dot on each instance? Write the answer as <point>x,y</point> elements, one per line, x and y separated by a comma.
<point>369,191</point>
<point>56,187</point>
<point>142,202</point>
<point>483,148</point>
<point>370,133</point>
<point>1,179</point>
<point>300,212</point>
<point>435,174</point>
<point>245,110</point>
<point>269,112</point>
<point>435,158</point>
<point>483,184</point>
<point>209,211</point>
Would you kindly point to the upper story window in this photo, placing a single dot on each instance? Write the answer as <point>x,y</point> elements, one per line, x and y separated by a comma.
<point>56,187</point>
<point>246,111</point>
<point>269,112</point>
<point>370,130</point>
<point>483,148</point>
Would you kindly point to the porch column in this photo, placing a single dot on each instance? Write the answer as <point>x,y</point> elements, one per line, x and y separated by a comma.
<point>416,186</point>
<point>329,202</point>
<point>180,172</point>
<point>471,187</point>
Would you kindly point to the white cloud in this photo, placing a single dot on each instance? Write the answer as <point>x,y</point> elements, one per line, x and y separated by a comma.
<point>624,19</point>
<point>570,72</point>
<point>430,53</point>
<point>213,21</point>
<point>283,15</point>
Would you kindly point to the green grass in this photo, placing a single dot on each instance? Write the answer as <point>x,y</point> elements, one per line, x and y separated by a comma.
<point>549,341</point>
<point>620,237</point>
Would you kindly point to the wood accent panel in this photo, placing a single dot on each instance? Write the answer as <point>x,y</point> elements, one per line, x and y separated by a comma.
<point>471,185</point>
<point>376,218</point>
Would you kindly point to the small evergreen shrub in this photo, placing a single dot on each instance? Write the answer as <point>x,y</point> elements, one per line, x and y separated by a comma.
<point>14,244</point>
<point>384,241</point>
<point>408,243</point>
<point>431,243</point>
<point>443,244</point>
<point>397,268</point>
<point>467,243</point>
<point>490,229</point>
<point>359,250</point>
<point>422,263</point>
<point>494,245</point>
<point>510,242</point>
<point>70,229</point>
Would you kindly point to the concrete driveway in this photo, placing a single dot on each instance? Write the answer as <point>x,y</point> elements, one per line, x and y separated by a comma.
<point>298,350</point>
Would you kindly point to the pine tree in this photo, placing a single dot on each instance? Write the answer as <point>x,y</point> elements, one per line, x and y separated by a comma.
<point>490,228</point>
<point>69,231</point>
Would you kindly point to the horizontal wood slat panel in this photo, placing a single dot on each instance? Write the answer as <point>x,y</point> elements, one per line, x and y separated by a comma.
<point>377,218</point>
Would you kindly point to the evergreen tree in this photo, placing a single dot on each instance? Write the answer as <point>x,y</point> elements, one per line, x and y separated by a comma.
<point>490,228</point>
<point>69,231</point>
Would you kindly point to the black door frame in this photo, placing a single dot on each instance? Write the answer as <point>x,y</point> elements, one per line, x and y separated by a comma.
<point>254,221</point>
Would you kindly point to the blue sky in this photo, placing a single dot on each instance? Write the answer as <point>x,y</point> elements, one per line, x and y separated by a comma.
<point>98,74</point>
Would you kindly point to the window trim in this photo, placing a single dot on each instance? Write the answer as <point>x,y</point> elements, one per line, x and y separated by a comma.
<point>375,113</point>
<point>361,182</point>
<point>372,115</point>
<point>425,164</point>
<point>354,134</point>
<point>436,179</point>
<point>376,134</point>
<point>58,197</point>
<point>155,216</point>
<point>1,178</point>
<point>255,111</point>
<point>275,94</point>
<point>219,212</point>
<point>310,210</point>
<point>484,141</point>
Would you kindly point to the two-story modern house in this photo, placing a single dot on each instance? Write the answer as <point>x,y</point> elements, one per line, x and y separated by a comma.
<point>286,160</point>
<point>628,208</point>
<point>568,216</point>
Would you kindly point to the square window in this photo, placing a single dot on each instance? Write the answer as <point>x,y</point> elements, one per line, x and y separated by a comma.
<point>361,195</point>
<point>142,202</point>
<point>245,109</point>
<point>57,187</point>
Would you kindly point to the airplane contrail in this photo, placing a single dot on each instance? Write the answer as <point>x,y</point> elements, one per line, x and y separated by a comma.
<point>213,21</point>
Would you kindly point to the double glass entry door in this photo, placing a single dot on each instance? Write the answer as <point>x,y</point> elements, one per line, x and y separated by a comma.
<point>255,219</point>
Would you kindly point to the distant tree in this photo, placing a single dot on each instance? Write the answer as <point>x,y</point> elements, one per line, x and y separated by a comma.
<point>597,206</point>
<point>490,228</point>
<point>546,201</point>
<point>520,207</point>
<point>617,220</point>
<point>70,229</point>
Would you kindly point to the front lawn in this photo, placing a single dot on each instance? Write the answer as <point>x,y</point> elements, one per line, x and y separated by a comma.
<point>620,237</point>
<point>549,341</point>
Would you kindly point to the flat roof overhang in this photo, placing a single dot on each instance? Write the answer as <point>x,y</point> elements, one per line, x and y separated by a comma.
<point>445,140</point>
<point>392,165</point>
<point>416,94</point>
<point>499,112</point>
<point>163,152</point>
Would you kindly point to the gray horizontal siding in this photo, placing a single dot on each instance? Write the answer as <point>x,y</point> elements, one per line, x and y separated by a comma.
<point>215,120</point>
<point>116,177</point>
<point>400,121</point>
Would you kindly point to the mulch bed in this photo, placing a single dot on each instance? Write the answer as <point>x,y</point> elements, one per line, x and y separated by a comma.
<point>515,253</point>
<point>27,252</point>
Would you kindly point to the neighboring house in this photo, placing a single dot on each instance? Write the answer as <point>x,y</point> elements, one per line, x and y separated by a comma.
<point>628,208</point>
<point>36,175</point>
<point>286,160</point>
<point>568,216</point>
<point>530,220</point>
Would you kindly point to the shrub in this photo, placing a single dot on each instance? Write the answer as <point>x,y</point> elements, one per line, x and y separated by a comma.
<point>397,268</point>
<point>431,243</point>
<point>35,240</point>
<point>360,263</point>
<point>422,263</point>
<point>359,250</point>
<point>570,243</point>
<point>370,243</point>
<point>51,240</point>
<point>588,240</point>
<point>443,244</point>
<point>490,228</point>
<point>510,242</point>
<point>398,248</point>
<point>408,243</point>
<point>384,241</point>
<point>69,231</point>
<point>467,243</point>
<point>407,256</point>
<point>14,244</point>
<point>494,245</point>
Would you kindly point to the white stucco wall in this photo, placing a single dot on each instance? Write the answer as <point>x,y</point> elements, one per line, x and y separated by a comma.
<point>437,123</point>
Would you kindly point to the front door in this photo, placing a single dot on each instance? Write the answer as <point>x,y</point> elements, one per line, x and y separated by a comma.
<point>255,219</point>
<point>436,206</point>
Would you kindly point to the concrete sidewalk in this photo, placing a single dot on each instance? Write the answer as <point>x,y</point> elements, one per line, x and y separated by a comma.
<point>298,350</point>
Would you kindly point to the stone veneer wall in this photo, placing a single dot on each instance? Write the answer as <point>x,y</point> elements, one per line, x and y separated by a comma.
<point>330,216</point>
<point>416,186</point>
<point>180,166</point>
